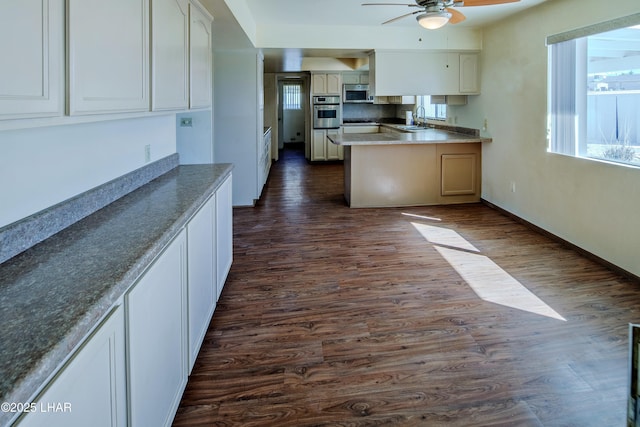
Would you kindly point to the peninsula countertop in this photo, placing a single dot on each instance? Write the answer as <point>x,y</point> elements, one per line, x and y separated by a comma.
<point>414,136</point>
<point>53,294</point>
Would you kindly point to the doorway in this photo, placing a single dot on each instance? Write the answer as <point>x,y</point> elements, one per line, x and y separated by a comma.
<point>292,111</point>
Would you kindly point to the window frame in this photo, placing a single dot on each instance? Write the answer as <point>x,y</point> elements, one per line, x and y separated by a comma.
<point>567,100</point>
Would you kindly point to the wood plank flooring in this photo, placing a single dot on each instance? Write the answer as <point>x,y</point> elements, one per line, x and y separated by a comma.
<point>353,317</point>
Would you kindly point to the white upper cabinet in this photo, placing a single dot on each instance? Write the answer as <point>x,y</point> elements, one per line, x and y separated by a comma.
<point>326,84</point>
<point>170,54</point>
<point>32,52</point>
<point>200,54</point>
<point>469,74</point>
<point>396,73</point>
<point>108,53</point>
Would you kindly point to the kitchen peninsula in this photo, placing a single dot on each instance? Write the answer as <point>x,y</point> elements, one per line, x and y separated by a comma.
<point>411,166</point>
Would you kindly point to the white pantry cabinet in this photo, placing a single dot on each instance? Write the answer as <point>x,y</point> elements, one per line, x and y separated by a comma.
<point>156,338</point>
<point>91,389</point>
<point>224,233</point>
<point>108,54</point>
<point>169,54</point>
<point>200,56</point>
<point>32,52</point>
<point>202,288</point>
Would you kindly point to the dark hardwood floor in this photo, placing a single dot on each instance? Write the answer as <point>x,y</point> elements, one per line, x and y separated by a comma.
<point>422,316</point>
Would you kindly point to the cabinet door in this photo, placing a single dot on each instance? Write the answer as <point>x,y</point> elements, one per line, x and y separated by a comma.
<point>334,152</point>
<point>91,388</point>
<point>108,56</point>
<point>319,145</point>
<point>334,84</point>
<point>224,232</point>
<point>32,52</point>
<point>319,84</point>
<point>200,53</point>
<point>458,174</point>
<point>201,264</point>
<point>351,78</point>
<point>170,54</point>
<point>469,73</point>
<point>156,340</point>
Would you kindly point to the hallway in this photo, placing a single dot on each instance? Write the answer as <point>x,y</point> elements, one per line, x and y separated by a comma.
<point>421,316</point>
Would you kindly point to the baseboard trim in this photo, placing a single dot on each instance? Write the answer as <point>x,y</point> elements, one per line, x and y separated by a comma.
<point>578,249</point>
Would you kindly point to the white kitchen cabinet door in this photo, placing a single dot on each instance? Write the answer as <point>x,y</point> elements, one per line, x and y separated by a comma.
<point>157,339</point>
<point>170,54</point>
<point>334,152</point>
<point>224,232</point>
<point>91,389</point>
<point>32,52</point>
<point>201,262</point>
<point>108,51</point>
<point>326,84</point>
<point>469,81</point>
<point>200,56</point>
<point>334,84</point>
<point>318,145</point>
<point>319,84</point>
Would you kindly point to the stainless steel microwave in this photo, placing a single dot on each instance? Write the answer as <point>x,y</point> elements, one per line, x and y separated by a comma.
<point>352,94</point>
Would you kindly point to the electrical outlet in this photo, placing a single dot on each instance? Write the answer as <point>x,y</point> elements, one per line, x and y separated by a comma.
<point>485,125</point>
<point>147,153</point>
<point>512,186</point>
<point>186,122</point>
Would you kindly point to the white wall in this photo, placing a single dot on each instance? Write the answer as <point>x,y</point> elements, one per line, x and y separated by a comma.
<point>593,205</point>
<point>42,166</point>
<point>195,143</point>
<point>238,119</point>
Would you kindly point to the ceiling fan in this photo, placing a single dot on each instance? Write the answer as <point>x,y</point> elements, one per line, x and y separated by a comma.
<point>434,14</point>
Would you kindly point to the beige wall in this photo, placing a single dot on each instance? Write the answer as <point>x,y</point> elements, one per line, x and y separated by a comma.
<point>591,204</point>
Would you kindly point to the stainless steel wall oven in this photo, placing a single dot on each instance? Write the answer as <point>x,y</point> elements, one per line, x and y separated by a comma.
<point>327,112</point>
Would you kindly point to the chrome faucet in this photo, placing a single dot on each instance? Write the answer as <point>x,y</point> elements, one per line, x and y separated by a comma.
<point>424,112</point>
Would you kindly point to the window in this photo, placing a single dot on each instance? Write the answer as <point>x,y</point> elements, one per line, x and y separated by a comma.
<point>292,96</point>
<point>431,111</point>
<point>594,92</point>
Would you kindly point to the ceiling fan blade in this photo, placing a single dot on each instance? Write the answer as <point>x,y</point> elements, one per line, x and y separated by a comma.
<point>390,4</point>
<point>400,17</point>
<point>467,3</point>
<point>455,16</point>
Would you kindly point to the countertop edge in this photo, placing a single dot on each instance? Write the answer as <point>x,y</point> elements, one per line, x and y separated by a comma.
<point>48,366</point>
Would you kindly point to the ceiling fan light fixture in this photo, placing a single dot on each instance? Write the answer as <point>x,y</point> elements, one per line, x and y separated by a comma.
<point>433,20</point>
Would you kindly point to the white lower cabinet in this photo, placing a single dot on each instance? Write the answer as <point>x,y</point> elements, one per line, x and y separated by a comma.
<point>133,369</point>
<point>156,339</point>
<point>224,233</point>
<point>91,389</point>
<point>322,148</point>
<point>202,288</point>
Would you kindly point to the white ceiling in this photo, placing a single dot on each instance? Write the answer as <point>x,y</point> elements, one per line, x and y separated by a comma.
<point>327,15</point>
<point>351,12</point>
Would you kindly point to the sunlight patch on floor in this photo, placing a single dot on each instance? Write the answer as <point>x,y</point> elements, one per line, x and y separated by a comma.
<point>444,236</point>
<point>487,279</point>
<point>429,218</point>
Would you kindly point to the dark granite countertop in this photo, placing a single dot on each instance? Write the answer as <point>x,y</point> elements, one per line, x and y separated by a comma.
<point>54,294</point>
